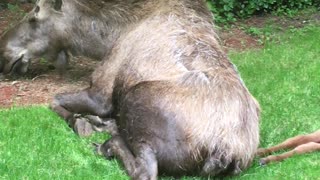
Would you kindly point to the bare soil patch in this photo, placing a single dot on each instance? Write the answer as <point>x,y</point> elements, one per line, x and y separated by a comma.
<point>41,83</point>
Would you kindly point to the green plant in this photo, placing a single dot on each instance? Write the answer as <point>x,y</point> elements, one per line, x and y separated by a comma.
<point>43,61</point>
<point>254,31</point>
<point>230,10</point>
<point>13,7</point>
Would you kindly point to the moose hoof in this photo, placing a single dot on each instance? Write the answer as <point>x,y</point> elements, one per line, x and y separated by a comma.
<point>103,125</point>
<point>82,127</point>
<point>263,162</point>
<point>104,149</point>
<point>214,167</point>
<point>97,148</point>
<point>96,120</point>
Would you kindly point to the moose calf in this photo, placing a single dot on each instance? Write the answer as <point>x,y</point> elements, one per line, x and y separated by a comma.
<point>300,144</point>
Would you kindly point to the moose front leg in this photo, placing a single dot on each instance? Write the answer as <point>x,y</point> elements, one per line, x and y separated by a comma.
<point>70,105</point>
<point>103,124</point>
<point>62,62</point>
<point>96,100</point>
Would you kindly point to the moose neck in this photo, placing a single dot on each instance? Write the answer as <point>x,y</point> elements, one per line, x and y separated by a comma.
<point>96,25</point>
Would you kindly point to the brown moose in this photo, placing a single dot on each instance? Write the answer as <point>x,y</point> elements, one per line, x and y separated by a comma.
<point>178,105</point>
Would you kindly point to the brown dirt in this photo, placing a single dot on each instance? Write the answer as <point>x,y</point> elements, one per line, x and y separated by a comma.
<point>42,82</point>
<point>237,39</point>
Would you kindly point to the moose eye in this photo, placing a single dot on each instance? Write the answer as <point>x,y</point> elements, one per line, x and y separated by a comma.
<point>37,9</point>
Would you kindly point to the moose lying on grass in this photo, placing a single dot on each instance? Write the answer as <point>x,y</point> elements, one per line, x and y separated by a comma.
<point>300,144</point>
<point>180,106</point>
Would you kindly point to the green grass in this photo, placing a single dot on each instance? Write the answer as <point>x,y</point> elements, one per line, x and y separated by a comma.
<point>36,144</point>
<point>285,78</point>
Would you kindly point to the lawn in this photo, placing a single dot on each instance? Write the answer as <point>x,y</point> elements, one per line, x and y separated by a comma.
<point>284,77</point>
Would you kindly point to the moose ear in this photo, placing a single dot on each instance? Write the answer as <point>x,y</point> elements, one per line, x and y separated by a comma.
<point>57,5</point>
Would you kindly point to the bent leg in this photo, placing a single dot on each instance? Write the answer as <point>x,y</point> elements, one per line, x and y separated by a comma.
<point>214,166</point>
<point>68,106</point>
<point>86,101</point>
<point>103,124</point>
<point>305,148</point>
<point>291,143</point>
<point>143,166</point>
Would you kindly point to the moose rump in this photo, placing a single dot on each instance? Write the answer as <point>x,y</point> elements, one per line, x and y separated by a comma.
<point>166,123</point>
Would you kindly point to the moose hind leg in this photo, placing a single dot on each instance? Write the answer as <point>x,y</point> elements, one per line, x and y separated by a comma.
<point>142,166</point>
<point>147,166</point>
<point>219,165</point>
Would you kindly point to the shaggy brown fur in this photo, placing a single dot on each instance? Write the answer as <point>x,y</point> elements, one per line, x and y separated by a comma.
<point>183,108</point>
